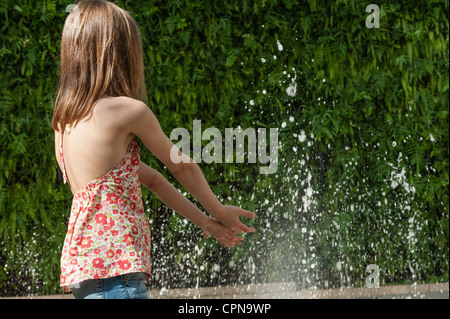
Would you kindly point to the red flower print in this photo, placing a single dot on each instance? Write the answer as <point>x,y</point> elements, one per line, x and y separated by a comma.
<point>104,187</point>
<point>114,233</point>
<point>134,230</point>
<point>103,272</point>
<point>124,264</point>
<point>135,162</point>
<point>129,168</point>
<point>119,251</point>
<point>100,218</point>
<point>117,181</point>
<point>128,239</point>
<point>112,198</point>
<point>133,206</point>
<point>110,253</point>
<point>73,251</point>
<point>119,189</point>
<point>97,263</point>
<point>97,251</point>
<point>85,242</point>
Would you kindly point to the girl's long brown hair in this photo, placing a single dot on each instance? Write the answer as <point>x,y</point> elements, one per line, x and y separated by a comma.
<point>101,53</point>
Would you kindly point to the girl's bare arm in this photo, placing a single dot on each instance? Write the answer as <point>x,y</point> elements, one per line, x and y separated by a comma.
<point>170,196</point>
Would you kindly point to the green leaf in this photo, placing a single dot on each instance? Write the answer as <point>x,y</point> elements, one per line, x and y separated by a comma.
<point>16,7</point>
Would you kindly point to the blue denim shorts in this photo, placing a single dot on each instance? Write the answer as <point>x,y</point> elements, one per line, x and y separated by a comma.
<point>128,286</point>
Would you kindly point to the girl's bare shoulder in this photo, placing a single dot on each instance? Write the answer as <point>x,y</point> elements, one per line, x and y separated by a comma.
<point>118,103</point>
<point>122,108</point>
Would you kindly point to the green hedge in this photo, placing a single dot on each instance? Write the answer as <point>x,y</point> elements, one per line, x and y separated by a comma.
<point>363,160</point>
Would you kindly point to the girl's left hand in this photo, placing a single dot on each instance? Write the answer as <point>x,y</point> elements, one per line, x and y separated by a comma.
<point>229,218</point>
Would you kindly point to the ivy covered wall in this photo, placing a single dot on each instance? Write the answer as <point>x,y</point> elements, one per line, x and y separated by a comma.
<point>362,118</point>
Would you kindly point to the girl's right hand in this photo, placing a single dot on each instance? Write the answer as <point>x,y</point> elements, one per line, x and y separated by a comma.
<point>225,236</point>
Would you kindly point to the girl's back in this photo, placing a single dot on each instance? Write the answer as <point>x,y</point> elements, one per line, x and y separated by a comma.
<point>96,144</point>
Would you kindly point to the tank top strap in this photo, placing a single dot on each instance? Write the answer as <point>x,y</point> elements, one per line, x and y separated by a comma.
<point>61,156</point>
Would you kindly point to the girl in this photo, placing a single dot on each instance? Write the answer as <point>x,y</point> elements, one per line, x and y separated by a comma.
<point>98,112</point>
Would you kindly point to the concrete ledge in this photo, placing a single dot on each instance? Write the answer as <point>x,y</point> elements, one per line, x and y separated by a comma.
<point>288,290</point>
<point>440,290</point>
<point>282,290</point>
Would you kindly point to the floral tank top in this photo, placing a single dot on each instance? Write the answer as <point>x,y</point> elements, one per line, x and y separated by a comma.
<point>108,232</point>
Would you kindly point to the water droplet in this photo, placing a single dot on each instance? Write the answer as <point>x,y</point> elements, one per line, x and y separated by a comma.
<point>432,138</point>
<point>302,136</point>
<point>280,46</point>
<point>292,89</point>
